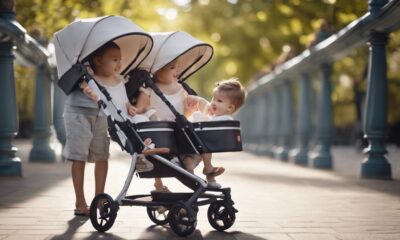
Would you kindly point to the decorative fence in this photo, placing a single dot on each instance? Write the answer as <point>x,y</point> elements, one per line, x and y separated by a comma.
<point>16,43</point>
<point>267,117</point>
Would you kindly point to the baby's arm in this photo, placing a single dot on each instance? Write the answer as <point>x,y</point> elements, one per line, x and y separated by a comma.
<point>204,105</point>
<point>190,105</point>
<point>142,103</point>
<point>132,111</point>
<point>195,103</point>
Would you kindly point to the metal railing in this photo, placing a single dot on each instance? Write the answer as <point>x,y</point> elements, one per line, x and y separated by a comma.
<point>271,131</point>
<point>16,43</point>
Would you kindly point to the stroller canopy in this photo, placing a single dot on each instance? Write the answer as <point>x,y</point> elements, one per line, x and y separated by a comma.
<point>79,39</point>
<point>191,53</point>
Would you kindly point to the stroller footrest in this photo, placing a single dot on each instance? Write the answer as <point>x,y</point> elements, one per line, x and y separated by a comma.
<point>170,197</point>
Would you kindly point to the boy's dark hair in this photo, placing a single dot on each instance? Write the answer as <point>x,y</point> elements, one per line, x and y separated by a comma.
<point>233,90</point>
<point>100,52</point>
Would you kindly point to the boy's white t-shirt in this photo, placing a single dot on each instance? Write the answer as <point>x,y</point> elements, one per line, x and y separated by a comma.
<point>162,110</point>
<point>120,99</point>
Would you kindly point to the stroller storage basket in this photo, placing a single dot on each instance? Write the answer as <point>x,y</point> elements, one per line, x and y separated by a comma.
<point>217,136</point>
<point>160,132</point>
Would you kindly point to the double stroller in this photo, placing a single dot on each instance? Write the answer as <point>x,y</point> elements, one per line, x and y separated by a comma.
<point>140,53</point>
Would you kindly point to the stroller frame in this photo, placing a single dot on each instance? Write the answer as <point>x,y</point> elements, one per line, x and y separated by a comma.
<point>73,46</point>
<point>182,208</point>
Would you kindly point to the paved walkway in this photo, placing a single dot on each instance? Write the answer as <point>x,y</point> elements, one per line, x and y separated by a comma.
<point>275,200</point>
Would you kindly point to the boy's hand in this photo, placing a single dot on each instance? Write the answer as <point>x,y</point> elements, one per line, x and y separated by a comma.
<point>131,109</point>
<point>89,91</point>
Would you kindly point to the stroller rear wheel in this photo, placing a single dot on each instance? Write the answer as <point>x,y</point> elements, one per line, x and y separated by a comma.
<point>182,220</point>
<point>103,212</point>
<point>221,215</point>
<point>157,215</point>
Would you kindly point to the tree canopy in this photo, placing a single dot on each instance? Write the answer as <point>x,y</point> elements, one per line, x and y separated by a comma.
<point>248,36</point>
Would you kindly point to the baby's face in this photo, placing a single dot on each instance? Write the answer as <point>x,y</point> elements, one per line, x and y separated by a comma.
<point>110,62</point>
<point>221,104</point>
<point>167,74</point>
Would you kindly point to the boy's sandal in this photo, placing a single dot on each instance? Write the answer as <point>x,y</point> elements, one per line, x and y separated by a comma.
<point>82,212</point>
<point>216,171</point>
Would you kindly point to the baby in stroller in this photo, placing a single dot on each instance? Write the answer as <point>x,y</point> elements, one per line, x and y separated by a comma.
<point>228,97</point>
<point>166,80</point>
<point>177,93</point>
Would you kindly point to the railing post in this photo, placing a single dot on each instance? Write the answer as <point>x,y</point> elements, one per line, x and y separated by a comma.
<point>41,150</point>
<point>265,126</point>
<point>260,123</point>
<point>375,120</point>
<point>323,157</point>
<point>10,164</point>
<point>304,120</point>
<point>275,120</point>
<point>286,121</point>
<point>270,127</point>
<point>246,120</point>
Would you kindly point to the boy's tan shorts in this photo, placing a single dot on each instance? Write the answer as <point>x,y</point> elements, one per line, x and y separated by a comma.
<point>87,137</point>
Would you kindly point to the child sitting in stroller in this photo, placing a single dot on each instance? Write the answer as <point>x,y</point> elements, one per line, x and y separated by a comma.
<point>228,97</point>
<point>166,81</point>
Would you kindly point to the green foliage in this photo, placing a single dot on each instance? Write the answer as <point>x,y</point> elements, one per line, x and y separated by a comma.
<point>247,35</point>
<point>25,91</point>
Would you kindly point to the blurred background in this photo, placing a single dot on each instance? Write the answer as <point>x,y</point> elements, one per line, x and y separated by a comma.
<point>250,37</point>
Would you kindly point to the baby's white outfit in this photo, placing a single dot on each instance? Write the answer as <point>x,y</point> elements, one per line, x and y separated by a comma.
<point>162,110</point>
<point>120,99</point>
<point>199,116</point>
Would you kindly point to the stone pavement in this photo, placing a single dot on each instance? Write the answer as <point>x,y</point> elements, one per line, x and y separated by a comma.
<point>275,201</point>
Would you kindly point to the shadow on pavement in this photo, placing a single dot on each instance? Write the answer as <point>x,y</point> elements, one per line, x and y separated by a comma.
<point>73,225</point>
<point>37,178</point>
<point>231,235</point>
<point>97,235</point>
<point>159,232</point>
<point>341,183</point>
<point>76,223</point>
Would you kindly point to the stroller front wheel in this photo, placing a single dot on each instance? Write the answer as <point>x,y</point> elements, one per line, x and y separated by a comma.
<point>103,212</point>
<point>157,215</point>
<point>182,220</point>
<point>221,215</point>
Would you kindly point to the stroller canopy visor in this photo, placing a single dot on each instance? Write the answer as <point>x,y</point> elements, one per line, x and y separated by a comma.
<point>191,54</point>
<point>79,39</point>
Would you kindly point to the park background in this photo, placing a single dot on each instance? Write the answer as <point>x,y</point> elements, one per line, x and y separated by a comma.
<point>250,38</point>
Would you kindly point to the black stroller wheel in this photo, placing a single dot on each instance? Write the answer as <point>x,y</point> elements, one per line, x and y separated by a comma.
<point>182,221</point>
<point>103,212</point>
<point>157,215</point>
<point>220,215</point>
